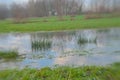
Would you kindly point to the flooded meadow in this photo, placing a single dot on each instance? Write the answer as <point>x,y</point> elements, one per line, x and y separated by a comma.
<point>62,48</point>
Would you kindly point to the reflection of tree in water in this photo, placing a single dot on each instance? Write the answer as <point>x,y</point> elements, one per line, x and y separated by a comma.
<point>54,43</point>
<point>40,42</point>
<point>63,41</point>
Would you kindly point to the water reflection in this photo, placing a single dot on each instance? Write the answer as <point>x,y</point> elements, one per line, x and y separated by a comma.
<point>84,47</point>
<point>87,37</point>
<point>39,43</point>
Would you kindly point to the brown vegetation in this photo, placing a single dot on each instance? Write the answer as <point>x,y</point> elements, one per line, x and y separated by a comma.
<point>60,8</point>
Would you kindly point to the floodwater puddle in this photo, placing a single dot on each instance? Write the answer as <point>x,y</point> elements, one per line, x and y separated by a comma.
<point>81,47</point>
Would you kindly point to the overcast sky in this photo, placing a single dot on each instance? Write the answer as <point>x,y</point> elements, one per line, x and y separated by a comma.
<point>10,1</point>
<point>18,1</point>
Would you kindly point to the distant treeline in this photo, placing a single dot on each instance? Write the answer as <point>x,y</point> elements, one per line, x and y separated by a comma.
<point>45,8</point>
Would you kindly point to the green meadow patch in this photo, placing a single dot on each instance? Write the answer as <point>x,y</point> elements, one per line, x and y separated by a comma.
<point>53,24</point>
<point>111,72</point>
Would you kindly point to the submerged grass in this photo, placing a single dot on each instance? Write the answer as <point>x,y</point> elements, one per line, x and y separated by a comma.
<point>8,55</point>
<point>41,45</point>
<point>64,73</point>
<point>83,40</point>
<point>54,24</point>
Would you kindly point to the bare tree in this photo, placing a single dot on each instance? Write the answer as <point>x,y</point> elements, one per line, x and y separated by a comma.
<point>31,8</point>
<point>76,7</point>
<point>81,5</point>
<point>58,8</point>
<point>68,7</point>
<point>103,6</point>
<point>116,5</point>
<point>4,12</point>
<point>19,12</point>
<point>38,8</point>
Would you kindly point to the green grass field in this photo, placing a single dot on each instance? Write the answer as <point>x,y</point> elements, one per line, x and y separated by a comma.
<point>53,24</point>
<point>59,73</point>
<point>64,73</point>
<point>8,55</point>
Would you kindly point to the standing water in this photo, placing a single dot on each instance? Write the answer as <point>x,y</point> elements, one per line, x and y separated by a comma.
<point>42,49</point>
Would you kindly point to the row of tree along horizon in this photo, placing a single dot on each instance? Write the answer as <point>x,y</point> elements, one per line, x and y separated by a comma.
<point>45,8</point>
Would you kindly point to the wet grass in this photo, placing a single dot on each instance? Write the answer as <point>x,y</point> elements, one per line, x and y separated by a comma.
<point>41,45</point>
<point>8,54</point>
<point>54,24</point>
<point>64,73</point>
<point>82,41</point>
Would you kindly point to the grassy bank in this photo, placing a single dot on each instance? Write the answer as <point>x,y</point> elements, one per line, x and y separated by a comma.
<point>8,55</point>
<point>38,24</point>
<point>64,73</point>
